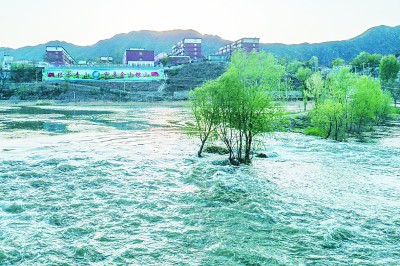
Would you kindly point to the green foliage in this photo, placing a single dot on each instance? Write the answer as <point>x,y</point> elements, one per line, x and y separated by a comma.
<point>388,69</point>
<point>314,63</point>
<point>303,73</point>
<point>349,104</point>
<point>339,84</point>
<point>330,118</point>
<point>393,89</point>
<point>165,60</point>
<point>364,60</point>
<point>239,105</point>
<point>337,62</point>
<point>315,86</point>
<point>365,102</point>
<point>294,66</point>
<point>205,111</point>
<point>384,108</point>
<point>23,73</point>
<point>314,131</point>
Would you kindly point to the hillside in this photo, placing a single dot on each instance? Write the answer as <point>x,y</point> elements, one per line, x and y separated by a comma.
<point>381,39</point>
<point>193,75</point>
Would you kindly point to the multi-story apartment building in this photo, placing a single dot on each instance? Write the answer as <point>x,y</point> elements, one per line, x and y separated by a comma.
<point>188,47</point>
<point>246,44</point>
<point>138,57</point>
<point>58,56</point>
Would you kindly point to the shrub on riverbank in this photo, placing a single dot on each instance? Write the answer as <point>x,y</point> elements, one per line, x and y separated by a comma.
<point>349,103</point>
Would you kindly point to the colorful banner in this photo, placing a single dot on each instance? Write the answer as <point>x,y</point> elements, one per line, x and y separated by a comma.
<point>102,74</point>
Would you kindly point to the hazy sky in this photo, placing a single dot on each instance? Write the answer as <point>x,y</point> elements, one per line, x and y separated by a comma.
<point>84,22</point>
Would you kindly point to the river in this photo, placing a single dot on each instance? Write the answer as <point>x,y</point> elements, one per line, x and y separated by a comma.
<point>121,185</point>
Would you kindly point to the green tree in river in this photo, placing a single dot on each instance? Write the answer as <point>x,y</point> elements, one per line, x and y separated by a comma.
<point>239,105</point>
<point>205,111</point>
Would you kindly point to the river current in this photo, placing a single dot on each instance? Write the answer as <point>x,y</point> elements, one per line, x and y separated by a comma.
<point>121,185</point>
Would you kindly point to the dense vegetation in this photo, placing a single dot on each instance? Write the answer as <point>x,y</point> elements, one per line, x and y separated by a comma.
<point>241,104</point>
<point>347,104</point>
<point>24,73</point>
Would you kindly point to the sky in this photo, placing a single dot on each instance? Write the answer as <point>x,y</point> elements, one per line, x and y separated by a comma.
<point>85,22</point>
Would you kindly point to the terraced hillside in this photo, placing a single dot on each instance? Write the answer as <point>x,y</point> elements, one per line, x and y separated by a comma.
<point>187,77</point>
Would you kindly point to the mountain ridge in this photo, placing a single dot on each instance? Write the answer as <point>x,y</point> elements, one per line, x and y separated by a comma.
<point>380,39</point>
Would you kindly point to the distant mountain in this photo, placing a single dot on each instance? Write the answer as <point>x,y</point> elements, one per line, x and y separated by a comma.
<point>382,39</point>
<point>159,41</point>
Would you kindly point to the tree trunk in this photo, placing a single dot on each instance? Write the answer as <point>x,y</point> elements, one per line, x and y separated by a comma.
<point>329,130</point>
<point>247,158</point>
<point>201,148</point>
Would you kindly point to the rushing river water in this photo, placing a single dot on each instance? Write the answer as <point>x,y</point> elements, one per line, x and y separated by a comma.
<point>122,186</point>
